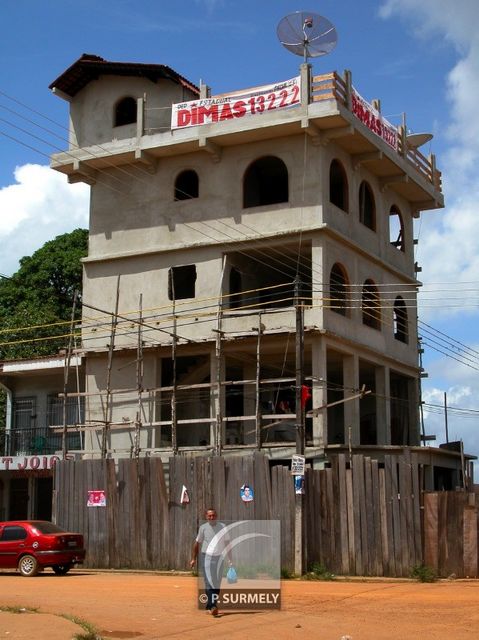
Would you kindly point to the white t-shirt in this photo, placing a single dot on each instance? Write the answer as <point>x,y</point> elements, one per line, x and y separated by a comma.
<point>212,544</point>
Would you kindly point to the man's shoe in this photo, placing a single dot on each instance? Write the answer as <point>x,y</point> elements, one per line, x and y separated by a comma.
<point>214,611</point>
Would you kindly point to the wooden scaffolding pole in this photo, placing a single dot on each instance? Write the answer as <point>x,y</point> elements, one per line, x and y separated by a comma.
<point>257,387</point>
<point>108,412</point>
<point>139,380</point>
<point>66,372</point>
<point>218,424</point>
<point>174,418</point>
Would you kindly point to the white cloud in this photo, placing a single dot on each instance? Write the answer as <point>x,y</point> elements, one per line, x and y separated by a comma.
<point>449,241</point>
<point>460,425</point>
<point>39,206</point>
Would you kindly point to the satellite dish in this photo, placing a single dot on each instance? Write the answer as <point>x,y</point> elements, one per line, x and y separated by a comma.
<point>416,140</point>
<point>307,34</point>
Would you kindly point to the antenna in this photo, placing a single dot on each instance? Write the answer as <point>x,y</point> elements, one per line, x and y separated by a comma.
<point>415,140</point>
<point>307,34</point>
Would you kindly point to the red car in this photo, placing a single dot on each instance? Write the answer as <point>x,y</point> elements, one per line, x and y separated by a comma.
<point>32,545</point>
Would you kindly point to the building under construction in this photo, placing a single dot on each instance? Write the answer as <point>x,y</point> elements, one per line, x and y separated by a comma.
<point>250,282</point>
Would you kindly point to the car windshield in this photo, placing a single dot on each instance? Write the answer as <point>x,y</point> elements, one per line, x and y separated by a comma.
<point>47,527</point>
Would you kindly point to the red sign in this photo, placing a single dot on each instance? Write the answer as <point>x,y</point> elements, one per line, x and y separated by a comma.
<point>374,120</point>
<point>96,498</point>
<point>230,106</point>
<point>28,463</point>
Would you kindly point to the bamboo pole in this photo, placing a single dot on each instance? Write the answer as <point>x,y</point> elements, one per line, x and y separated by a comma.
<point>66,375</point>
<point>257,387</point>
<point>139,380</point>
<point>108,412</point>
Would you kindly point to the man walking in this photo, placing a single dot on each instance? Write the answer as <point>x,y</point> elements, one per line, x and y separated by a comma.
<point>210,549</point>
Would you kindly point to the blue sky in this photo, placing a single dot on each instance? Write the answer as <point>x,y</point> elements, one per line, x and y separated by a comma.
<point>418,58</point>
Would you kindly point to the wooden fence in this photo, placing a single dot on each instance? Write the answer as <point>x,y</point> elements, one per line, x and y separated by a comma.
<point>451,533</point>
<point>360,518</point>
<point>364,519</point>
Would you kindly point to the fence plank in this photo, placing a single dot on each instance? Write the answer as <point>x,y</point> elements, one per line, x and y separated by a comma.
<point>343,514</point>
<point>369,518</point>
<point>470,538</point>
<point>353,569</point>
<point>384,511</point>
<point>376,512</point>
<point>431,531</point>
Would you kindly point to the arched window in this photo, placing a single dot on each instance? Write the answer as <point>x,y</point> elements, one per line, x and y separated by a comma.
<point>400,322</point>
<point>265,182</point>
<point>396,228</point>
<point>186,185</point>
<point>367,207</point>
<point>371,305</point>
<point>125,111</point>
<point>338,186</point>
<point>338,291</point>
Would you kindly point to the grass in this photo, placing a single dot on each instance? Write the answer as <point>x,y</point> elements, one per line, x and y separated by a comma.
<point>318,572</point>
<point>423,573</point>
<point>91,632</point>
<point>18,609</point>
<point>286,574</point>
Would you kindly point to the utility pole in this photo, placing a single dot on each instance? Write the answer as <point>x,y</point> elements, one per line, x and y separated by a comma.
<point>300,422</point>
<point>445,417</point>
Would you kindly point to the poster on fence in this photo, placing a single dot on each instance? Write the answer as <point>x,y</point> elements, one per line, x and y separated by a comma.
<point>96,498</point>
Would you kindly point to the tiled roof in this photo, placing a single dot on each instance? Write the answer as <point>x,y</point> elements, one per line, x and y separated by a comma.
<point>89,67</point>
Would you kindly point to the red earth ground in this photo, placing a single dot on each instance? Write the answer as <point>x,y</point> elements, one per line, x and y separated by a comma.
<point>148,606</point>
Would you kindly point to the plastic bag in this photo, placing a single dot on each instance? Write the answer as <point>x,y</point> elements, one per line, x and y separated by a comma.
<point>231,575</point>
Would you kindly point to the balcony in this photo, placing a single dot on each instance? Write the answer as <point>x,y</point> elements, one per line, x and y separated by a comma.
<point>36,441</point>
<point>328,108</point>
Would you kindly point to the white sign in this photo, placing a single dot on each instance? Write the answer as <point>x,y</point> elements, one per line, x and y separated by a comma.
<point>231,106</point>
<point>297,465</point>
<point>374,120</point>
<point>27,463</point>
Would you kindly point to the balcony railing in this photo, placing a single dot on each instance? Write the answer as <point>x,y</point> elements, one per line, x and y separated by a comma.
<point>36,441</point>
<point>331,86</point>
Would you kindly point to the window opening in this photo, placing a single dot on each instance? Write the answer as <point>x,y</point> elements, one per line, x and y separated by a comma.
<point>338,290</point>
<point>186,185</point>
<point>338,185</point>
<point>191,403</point>
<point>125,112</point>
<point>399,391</point>
<point>367,207</point>
<point>371,305</point>
<point>235,288</point>
<point>368,416</point>
<point>396,228</point>
<point>400,321</point>
<point>181,282</point>
<point>265,182</point>
<point>264,277</point>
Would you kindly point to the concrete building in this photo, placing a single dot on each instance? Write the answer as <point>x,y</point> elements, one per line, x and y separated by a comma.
<point>32,440</point>
<point>222,229</point>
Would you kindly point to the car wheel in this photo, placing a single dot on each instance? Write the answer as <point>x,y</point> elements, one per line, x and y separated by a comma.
<point>28,566</point>
<point>61,569</point>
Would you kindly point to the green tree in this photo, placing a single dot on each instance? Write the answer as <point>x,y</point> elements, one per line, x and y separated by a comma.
<point>39,296</point>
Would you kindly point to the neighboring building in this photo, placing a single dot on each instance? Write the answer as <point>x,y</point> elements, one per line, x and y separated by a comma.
<point>197,237</point>
<point>32,440</point>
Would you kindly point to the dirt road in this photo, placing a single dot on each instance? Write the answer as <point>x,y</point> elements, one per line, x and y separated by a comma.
<point>149,606</point>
